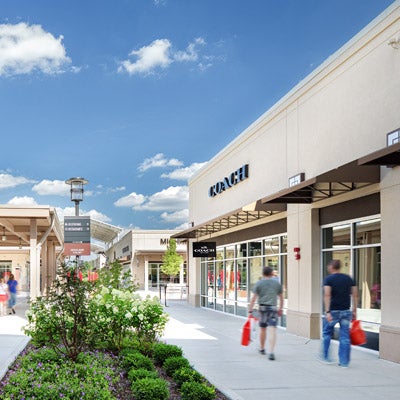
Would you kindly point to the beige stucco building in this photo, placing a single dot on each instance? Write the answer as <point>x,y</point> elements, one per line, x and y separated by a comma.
<point>142,251</point>
<point>316,177</point>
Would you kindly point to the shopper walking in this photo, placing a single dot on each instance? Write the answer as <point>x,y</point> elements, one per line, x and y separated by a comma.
<point>267,291</point>
<point>12,293</point>
<point>3,297</point>
<point>340,292</point>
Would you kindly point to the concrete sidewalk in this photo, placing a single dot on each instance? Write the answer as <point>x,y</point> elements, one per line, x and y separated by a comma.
<point>12,338</point>
<point>211,342</point>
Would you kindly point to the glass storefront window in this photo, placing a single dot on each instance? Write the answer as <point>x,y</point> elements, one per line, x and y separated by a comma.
<point>255,249</point>
<point>357,245</point>
<point>230,252</point>
<point>336,236</point>
<point>271,245</point>
<point>242,250</point>
<point>368,232</point>
<point>228,279</point>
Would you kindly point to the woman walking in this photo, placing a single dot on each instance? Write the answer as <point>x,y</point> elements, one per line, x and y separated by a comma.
<point>12,291</point>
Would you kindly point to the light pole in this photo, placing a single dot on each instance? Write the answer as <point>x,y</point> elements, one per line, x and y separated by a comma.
<point>77,196</point>
<point>77,191</point>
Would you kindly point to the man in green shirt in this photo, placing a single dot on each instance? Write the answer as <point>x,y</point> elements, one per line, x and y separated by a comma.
<point>267,290</point>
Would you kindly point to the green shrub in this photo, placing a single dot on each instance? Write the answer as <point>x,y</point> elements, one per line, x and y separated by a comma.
<point>162,351</point>
<point>141,373</point>
<point>197,391</point>
<point>150,389</point>
<point>91,377</point>
<point>174,363</point>
<point>136,361</point>
<point>133,342</point>
<point>186,374</point>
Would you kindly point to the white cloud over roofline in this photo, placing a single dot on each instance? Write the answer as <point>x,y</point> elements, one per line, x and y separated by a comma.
<point>184,174</point>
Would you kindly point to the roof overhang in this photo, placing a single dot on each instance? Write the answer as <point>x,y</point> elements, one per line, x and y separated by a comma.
<point>389,156</point>
<point>242,216</point>
<point>103,232</point>
<point>340,180</point>
<point>16,222</point>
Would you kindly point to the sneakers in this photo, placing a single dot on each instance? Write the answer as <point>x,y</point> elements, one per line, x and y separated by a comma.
<point>343,366</point>
<point>271,357</point>
<point>324,360</point>
<point>262,351</point>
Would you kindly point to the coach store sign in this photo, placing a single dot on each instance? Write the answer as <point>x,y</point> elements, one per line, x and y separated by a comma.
<point>204,249</point>
<point>229,181</point>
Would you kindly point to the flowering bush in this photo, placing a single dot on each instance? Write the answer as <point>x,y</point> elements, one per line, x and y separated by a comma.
<point>117,313</point>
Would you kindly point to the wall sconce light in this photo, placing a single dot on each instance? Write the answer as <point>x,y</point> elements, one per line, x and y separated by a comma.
<point>296,253</point>
<point>4,237</point>
<point>395,43</point>
<point>20,243</point>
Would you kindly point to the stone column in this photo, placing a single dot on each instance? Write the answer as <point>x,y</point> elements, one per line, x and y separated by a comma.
<point>389,337</point>
<point>304,275</point>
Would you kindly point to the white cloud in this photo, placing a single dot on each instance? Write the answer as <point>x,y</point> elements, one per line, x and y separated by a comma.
<point>183,226</point>
<point>10,181</point>
<point>26,48</point>
<point>177,216</point>
<point>22,201</point>
<point>132,200</point>
<point>158,161</point>
<point>183,174</point>
<point>70,211</point>
<point>56,188</point>
<point>160,54</point>
<point>191,52</point>
<point>171,199</point>
<point>156,55</point>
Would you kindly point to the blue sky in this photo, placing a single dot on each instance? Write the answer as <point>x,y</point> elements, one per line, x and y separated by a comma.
<point>136,95</point>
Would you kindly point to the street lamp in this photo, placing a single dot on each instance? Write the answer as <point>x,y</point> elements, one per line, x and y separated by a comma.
<point>76,191</point>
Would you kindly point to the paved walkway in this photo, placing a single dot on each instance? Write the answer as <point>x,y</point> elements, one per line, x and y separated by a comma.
<point>211,342</point>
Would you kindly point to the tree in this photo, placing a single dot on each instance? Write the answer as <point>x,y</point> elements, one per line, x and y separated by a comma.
<point>172,261</point>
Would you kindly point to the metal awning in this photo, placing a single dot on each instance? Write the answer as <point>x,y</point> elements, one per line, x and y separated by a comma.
<point>103,232</point>
<point>389,156</point>
<point>252,212</point>
<point>340,180</point>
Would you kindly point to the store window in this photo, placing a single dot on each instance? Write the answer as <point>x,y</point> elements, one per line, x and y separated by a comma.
<point>5,269</point>
<point>227,280</point>
<point>358,246</point>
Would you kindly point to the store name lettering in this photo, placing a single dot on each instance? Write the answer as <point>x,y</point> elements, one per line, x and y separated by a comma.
<point>233,179</point>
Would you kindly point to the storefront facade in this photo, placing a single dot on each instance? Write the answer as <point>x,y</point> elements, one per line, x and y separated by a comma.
<point>141,252</point>
<point>315,178</point>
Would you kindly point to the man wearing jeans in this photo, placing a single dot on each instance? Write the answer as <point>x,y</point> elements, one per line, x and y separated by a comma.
<point>339,292</point>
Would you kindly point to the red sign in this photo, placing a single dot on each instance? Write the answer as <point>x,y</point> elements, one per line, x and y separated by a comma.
<point>77,249</point>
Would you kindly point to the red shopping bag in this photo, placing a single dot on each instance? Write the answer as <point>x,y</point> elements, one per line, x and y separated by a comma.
<point>357,335</point>
<point>248,330</point>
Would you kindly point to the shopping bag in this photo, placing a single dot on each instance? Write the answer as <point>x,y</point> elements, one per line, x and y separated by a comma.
<point>249,330</point>
<point>357,335</point>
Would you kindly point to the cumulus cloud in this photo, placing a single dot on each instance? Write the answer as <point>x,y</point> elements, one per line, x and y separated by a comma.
<point>26,48</point>
<point>159,54</point>
<point>132,200</point>
<point>191,53</point>
<point>171,199</point>
<point>22,201</point>
<point>156,55</point>
<point>55,188</point>
<point>176,217</point>
<point>9,181</point>
<point>70,211</point>
<point>159,161</point>
<point>183,174</point>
